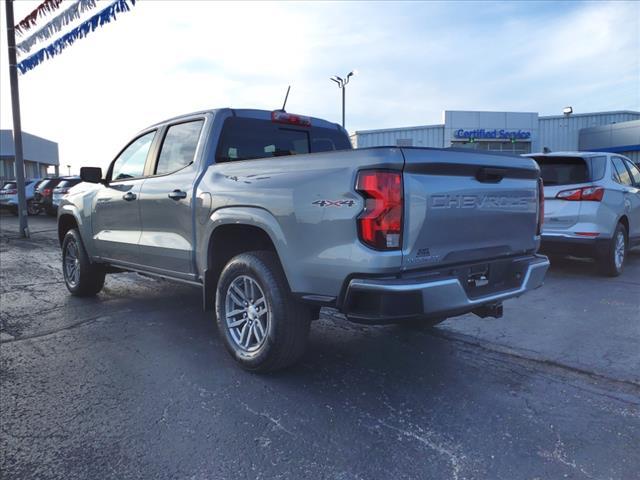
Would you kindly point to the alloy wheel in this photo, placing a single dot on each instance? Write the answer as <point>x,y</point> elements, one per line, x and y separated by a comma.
<point>247,313</point>
<point>619,250</point>
<point>72,263</point>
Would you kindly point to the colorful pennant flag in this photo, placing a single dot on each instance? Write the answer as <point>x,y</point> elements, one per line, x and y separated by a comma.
<point>30,20</point>
<point>98,20</point>
<point>55,25</point>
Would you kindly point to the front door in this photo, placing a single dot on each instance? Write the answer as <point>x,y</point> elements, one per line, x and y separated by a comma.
<point>166,242</point>
<point>116,210</point>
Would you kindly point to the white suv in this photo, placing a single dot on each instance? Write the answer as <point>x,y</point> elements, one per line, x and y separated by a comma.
<point>592,206</point>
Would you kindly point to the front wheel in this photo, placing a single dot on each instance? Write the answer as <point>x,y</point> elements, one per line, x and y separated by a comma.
<point>262,326</point>
<point>611,261</point>
<point>82,278</point>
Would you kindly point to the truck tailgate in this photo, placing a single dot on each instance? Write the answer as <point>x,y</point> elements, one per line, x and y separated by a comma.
<point>467,206</point>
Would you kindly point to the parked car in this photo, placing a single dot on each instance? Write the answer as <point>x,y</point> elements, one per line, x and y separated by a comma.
<point>62,188</point>
<point>43,194</point>
<point>592,206</point>
<point>273,215</point>
<point>9,197</point>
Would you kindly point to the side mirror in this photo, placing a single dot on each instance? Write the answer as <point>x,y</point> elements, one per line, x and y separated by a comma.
<point>91,174</point>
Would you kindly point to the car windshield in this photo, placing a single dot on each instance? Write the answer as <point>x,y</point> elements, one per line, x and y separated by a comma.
<point>563,170</point>
<point>67,183</point>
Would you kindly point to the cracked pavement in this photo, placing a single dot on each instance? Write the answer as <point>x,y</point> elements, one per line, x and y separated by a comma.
<point>136,384</point>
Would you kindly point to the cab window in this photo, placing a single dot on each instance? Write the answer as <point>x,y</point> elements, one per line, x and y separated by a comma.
<point>179,147</point>
<point>130,163</point>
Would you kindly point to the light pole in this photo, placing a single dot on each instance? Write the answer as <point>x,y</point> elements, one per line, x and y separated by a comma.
<point>17,125</point>
<point>342,83</point>
<point>69,168</point>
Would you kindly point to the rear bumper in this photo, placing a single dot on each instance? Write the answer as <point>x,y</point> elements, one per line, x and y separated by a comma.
<point>442,293</point>
<point>573,245</point>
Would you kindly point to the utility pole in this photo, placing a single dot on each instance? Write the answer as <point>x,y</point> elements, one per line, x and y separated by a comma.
<point>342,83</point>
<point>17,127</point>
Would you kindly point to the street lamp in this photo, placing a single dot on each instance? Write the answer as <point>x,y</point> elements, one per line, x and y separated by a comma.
<point>342,83</point>
<point>69,168</point>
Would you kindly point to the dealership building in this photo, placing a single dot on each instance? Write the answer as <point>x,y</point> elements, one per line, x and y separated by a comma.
<point>40,156</point>
<point>518,132</point>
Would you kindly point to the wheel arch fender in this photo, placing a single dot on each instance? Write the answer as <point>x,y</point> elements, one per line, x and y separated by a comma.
<point>252,217</point>
<point>69,217</point>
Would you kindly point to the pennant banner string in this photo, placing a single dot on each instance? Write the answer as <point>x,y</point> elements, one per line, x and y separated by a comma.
<point>55,25</point>
<point>30,20</point>
<point>98,20</point>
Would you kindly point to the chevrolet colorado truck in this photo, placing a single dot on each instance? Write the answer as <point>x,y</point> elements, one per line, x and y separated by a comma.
<point>274,215</point>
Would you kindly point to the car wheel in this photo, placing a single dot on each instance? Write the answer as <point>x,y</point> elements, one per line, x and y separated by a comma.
<point>14,210</point>
<point>82,278</point>
<point>611,262</point>
<point>32,208</point>
<point>262,326</point>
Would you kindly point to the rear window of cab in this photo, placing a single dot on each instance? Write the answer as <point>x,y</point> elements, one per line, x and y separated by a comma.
<point>249,138</point>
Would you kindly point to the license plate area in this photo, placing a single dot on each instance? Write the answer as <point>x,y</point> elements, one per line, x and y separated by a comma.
<point>480,280</point>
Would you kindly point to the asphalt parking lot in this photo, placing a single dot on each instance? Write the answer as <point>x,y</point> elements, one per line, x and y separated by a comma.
<point>136,384</point>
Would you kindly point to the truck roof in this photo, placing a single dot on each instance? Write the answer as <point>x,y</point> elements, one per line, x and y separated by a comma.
<point>249,113</point>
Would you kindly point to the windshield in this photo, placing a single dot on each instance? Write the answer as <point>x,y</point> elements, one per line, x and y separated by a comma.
<point>67,183</point>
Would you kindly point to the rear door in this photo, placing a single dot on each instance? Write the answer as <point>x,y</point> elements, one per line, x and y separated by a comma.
<point>166,241</point>
<point>628,176</point>
<point>116,214</point>
<point>463,207</point>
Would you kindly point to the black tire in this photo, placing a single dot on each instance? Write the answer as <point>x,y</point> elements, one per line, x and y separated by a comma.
<point>421,323</point>
<point>14,210</point>
<point>609,262</point>
<point>33,208</point>
<point>284,337</point>
<point>90,276</point>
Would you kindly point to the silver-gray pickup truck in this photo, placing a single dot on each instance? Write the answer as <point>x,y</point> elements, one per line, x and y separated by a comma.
<point>274,215</point>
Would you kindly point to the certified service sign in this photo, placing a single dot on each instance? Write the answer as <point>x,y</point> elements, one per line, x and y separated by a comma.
<point>481,133</point>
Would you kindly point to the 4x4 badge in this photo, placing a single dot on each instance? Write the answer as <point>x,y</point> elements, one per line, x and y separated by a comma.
<point>334,203</point>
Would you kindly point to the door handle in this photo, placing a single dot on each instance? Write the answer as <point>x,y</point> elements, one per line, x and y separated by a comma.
<point>177,195</point>
<point>129,196</point>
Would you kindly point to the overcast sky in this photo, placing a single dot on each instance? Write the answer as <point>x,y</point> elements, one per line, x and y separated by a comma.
<point>414,60</point>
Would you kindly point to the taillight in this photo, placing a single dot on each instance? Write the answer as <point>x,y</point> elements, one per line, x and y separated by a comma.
<point>290,119</point>
<point>380,223</point>
<point>593,194</point>
<point>46,192</point>
<point>11,192</point>
<point>540,205</point>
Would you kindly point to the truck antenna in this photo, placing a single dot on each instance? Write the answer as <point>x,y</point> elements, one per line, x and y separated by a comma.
<point>285,98</point>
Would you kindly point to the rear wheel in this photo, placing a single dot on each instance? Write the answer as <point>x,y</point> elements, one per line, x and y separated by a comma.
<point>33,208</point>
<point>611,261</point>
<point>82,278</point>
<point>261,325</point>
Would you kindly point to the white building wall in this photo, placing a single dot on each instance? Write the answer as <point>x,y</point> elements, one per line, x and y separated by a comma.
<point>427,136</point>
